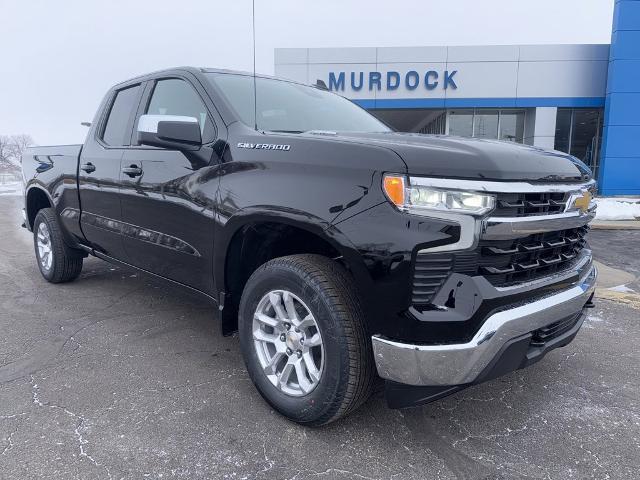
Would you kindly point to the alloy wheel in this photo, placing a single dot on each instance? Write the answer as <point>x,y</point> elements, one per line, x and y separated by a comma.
<point>43,242</point>
<point>288,343</point>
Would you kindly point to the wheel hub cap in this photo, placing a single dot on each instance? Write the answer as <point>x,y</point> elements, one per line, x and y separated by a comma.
<point>288,343</point>
<point>293,340</point>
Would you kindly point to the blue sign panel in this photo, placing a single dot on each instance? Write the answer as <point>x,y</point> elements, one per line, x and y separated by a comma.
<point>620,164</point>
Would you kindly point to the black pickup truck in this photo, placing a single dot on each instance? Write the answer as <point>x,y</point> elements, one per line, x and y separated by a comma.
<point>340,251</point>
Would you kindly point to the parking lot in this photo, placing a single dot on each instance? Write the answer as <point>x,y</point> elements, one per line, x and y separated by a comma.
<point>117,375</point>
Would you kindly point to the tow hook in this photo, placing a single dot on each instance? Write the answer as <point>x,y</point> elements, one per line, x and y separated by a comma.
<point>590,303</point>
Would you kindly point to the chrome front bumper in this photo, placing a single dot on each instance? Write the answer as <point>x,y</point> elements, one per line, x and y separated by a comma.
<point>462,363</point>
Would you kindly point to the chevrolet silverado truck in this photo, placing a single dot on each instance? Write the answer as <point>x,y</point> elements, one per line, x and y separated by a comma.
<point>345,255</point>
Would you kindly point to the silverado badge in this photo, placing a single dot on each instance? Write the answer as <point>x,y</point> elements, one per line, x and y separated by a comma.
<point>265,146</point>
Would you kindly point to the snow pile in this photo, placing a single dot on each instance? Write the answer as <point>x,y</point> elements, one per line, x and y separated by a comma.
<point>617,209</point>
<point>12,188</point>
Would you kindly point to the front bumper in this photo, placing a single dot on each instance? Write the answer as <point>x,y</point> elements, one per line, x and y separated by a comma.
<point>455,365</point>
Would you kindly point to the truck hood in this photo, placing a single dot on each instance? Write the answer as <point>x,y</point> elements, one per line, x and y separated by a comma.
<point>472,158</point>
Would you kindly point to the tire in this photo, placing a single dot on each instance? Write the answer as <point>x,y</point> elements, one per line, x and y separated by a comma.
<point>57,262</point>
<point>347,372</point>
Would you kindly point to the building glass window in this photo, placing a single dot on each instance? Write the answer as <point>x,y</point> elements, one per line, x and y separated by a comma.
<point>437,126</point>
<point>417,120</point>
<point>563,129</point>
<point>461,123</point>
<point>579,132</point>
<point>503,124</point>
<point>512,126</point>
<point>485,124</point>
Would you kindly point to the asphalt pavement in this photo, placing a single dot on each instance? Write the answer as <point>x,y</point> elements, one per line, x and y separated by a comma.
<point>118,375</point>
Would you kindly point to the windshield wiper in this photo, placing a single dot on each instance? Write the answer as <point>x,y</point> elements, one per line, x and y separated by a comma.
<point>287,131</point>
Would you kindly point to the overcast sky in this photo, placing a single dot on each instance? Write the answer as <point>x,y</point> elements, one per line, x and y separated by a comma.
<point>58,58</point>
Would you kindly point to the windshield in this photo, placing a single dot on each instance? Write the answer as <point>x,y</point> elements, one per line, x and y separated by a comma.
<point>291,107</point>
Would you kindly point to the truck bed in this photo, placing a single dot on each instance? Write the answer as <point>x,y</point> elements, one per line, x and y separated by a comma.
<point>53,169</point>
<point>54,150</point>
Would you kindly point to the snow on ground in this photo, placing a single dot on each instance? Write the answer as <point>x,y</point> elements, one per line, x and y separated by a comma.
<point>618,208</point>
<point>13,188</point>
<point>621,289</point>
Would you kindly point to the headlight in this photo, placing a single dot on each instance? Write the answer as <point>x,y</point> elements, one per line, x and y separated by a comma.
<point>417,198</point>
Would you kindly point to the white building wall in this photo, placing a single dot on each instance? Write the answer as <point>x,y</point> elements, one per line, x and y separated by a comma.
<point>483,72</point>
<point>540,126</point>
<point>529,125</point>
<point>538,78</point>
<point>545,127</point>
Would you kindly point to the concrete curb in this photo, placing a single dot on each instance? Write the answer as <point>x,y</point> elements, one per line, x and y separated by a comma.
<point>611,277</point>
<point>616,224</point>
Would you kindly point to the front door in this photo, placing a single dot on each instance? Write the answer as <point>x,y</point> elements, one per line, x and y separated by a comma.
<point>168,196</point>
<point>100,172</point>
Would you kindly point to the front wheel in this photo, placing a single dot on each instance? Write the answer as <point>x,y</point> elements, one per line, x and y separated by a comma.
<point>57,262</point>
<point>303,339</point>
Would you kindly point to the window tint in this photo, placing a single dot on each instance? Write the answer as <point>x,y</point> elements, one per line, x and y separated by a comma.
<point>117,131</point>
<point>177,97</point>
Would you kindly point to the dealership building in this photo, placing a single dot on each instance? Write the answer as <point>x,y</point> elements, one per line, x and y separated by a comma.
<point>579,99</point>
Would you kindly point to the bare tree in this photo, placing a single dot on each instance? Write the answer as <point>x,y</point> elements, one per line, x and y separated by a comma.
<point>19,144</point>
<point>6,152</point>
<point>11,149</point>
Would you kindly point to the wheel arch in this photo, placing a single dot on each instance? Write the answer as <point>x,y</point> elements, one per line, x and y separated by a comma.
<point>250,239</point>
<point>36,198</point>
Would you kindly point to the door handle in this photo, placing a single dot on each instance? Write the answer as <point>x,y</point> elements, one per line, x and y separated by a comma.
<point>88,167</point>
<point>132,171</point>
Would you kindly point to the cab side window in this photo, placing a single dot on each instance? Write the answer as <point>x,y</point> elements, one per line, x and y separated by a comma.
<point>176,97</point>
<point>117,130</point>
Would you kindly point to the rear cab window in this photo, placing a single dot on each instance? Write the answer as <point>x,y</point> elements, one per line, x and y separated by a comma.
<point>117,128</point>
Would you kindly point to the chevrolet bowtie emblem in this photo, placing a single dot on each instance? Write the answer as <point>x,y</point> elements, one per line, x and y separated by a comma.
<point>579,201</point>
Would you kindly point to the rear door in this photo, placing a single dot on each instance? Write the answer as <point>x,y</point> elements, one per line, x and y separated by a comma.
<point>168,206</point>
<point>99,172</point>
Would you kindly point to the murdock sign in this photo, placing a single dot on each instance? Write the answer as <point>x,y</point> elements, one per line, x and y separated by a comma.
<point>392,80</point>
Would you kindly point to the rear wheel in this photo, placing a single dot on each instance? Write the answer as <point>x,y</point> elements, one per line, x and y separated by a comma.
<point>57,262</point>
<point>303,339</point>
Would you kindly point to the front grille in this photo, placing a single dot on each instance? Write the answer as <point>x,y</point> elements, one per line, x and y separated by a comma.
<point>546,334</point>
<point>509,262</point>
<point>502,262</point>
<point>529,204</point>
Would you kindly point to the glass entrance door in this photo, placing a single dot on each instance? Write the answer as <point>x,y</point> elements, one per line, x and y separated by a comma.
<point>579,133</point>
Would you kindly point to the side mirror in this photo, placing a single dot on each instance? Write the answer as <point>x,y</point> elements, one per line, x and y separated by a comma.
<point>174,132</point>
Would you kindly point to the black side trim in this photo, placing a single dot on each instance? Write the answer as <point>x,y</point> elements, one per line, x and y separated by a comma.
<point>132,231</point>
